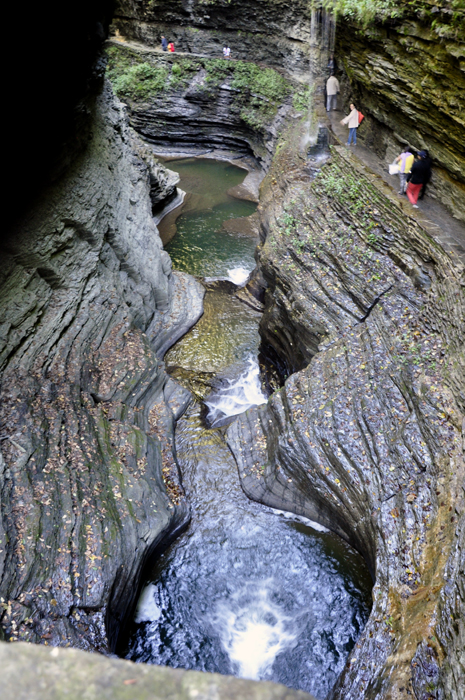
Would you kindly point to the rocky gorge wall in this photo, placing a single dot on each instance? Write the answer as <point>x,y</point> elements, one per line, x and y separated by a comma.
<point>411,84</point>
<point>86,407</point>
<point>406,72</point>
<point>366,437</point>
<point>276,33</point>
<point>201,105</point>
<point>90,304</point>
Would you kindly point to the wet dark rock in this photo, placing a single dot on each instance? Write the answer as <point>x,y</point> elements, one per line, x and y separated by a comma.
<point>199,117</point>
<point>365,436</point>
<point>84,498</point>
<point>276,33</point>
<point>425,672</point>
<point>406,74</point>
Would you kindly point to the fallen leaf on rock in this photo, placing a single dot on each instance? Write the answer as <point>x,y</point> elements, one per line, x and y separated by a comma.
<point>411,497</point>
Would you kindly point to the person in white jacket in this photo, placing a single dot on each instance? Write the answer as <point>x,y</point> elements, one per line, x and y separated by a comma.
<point>332,88</point>
<point>352,121</point>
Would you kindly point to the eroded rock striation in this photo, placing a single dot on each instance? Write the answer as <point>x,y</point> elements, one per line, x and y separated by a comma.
<point>277,32</point>
<point>87,480</point>
<point>411,84</point>
<point>406,72</point>
<point>192,105</point>
<point>366,436</point>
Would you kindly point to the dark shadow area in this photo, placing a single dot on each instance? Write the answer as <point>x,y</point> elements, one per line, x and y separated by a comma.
<point>54,70</point>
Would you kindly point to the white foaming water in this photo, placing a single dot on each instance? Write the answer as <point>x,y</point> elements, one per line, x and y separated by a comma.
<point>239,275</point>
<point>300,519</point>
<point>147,609</point>
<point>253,629</point>
<point>237,395</point>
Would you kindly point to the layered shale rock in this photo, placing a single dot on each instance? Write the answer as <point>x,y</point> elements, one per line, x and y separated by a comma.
<point>410,81</point>
<point>405,73</point>
<point>277,32</point>
<point>87,479</point>
<point>366,436</point>
<point>180,104</point>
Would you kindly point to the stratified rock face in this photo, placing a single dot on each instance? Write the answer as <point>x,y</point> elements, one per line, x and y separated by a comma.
<point>84,397</point>
<point>412,85</point>
<point>276,32</point>
<point>406,78</point>
<point>201,111</point>
<point>367,437</point>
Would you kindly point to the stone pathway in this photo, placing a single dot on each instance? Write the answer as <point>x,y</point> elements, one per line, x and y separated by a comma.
<point>433,216</point>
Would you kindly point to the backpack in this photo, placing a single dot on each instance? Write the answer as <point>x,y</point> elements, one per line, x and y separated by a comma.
<point>360,117</point>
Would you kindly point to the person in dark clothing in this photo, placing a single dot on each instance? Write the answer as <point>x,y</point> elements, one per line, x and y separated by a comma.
<point>164,43</point>
<point>331,64</point>
<point>418,176</point>
<point>429,163</point>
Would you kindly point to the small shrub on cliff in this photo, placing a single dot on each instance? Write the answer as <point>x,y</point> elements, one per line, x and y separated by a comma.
<point>263,82</point>
<point>301,98</point>
<point>261,91</point>
<point>218,69</point>
<point>141,81</point>
<point>446,17</point>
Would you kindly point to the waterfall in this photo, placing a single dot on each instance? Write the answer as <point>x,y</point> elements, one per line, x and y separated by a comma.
<point>321,47</point>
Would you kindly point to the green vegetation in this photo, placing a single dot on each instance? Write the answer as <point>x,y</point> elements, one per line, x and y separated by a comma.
<point>257,91</point>
<point>301,99</point>
<point>446,17</point>
<point>346,190</point>
<point>139,77</point>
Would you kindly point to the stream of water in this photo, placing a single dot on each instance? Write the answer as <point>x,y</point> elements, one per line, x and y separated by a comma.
<point>246,590</point>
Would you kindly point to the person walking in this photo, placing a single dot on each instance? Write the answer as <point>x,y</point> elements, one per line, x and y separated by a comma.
<point>417,177</point>
<point>332,89</point>
<point>405,160</point>
<point>429,163</point>
<point>226,52</point>
<point>164,43</point>
<point>352,122</point>
<point>171,47</point>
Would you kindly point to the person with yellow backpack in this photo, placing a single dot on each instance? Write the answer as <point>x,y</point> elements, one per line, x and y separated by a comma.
<point>405,161</point>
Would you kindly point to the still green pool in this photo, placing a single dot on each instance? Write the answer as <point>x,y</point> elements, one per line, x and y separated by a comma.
<point>204,244</point>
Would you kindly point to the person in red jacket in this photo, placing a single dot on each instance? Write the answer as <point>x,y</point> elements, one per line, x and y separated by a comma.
<point>418,176</point>
<point>171,47</point>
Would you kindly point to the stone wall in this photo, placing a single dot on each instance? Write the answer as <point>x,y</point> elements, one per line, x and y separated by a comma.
<point>276,32</point>
<point>86,409</point>
<point>367,437</point>
<point>202,112</point>
<point>411,85</point>
<point>409,80</point>
<point>36,673</point>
